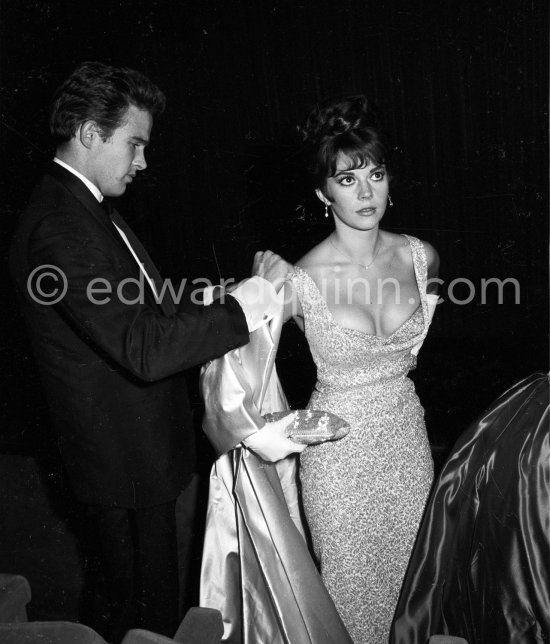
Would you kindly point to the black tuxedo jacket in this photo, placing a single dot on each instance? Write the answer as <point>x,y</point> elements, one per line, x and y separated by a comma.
<point>112,371</point>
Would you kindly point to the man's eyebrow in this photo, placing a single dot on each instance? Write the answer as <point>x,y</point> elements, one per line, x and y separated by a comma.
<point>138,139</point>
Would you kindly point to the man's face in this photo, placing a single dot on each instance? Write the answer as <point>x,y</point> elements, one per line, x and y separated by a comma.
<point>116,161</point>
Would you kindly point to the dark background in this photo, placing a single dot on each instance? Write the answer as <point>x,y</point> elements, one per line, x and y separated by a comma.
<point>463,92</point>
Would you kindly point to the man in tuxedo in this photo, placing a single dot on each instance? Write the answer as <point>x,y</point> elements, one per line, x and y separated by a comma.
<point>111,346</point>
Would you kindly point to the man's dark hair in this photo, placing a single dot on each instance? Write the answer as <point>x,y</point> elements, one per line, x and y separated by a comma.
<point>101,93</point>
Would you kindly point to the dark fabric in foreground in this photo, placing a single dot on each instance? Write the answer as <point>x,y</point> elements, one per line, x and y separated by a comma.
<point>481,565</point>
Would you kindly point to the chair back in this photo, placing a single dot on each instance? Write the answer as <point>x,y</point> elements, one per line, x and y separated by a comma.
<point>57,632</point>
<point>200,626</point>
<point>15,594</point>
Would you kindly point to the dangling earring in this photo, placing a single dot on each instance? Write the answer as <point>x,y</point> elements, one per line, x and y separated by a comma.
<point>390,202</point>
<point>326,209</point>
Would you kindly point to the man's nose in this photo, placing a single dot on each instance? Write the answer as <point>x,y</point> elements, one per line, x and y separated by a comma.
<point>139,160</point>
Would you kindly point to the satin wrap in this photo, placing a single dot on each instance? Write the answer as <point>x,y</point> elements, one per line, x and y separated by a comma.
<point>256,567</point>
<point>480,568</point>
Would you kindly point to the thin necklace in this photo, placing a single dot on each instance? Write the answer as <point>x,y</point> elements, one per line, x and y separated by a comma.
<point>365,266</point>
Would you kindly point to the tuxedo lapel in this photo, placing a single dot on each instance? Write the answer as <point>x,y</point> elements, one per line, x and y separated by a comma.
<point>83,195</point>
<point>142,254</point>
<point>102,212</point>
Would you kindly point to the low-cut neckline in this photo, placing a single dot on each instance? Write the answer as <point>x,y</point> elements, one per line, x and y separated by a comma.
<point>383,338</point>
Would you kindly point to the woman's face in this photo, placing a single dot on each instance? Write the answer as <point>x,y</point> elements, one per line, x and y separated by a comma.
<point>357,196</point>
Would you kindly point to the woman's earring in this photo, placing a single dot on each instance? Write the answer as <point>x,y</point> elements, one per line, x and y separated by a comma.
<point>326,209</point>
<point>390,202</point>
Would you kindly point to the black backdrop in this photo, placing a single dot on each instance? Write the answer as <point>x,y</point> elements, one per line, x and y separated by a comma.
<point>463,90</point>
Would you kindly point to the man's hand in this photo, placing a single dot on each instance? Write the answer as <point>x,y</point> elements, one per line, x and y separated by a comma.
<point>272,443</point>
<point>271,267</point>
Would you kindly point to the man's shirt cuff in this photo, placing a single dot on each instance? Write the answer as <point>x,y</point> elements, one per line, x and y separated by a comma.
<point>259,301</point>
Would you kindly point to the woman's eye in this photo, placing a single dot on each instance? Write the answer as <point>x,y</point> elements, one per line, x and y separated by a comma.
<point>346,180</point>
<point>378,175</point>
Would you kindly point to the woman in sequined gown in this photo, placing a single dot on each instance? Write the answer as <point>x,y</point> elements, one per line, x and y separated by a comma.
<point>362,298</point>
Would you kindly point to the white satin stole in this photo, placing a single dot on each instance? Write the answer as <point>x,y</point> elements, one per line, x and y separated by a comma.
<point>256,567</point>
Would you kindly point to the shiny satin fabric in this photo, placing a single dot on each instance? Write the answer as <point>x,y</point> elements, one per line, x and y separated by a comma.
<point>480,568</point>
<point>234,389</point>
<point>256,566</point>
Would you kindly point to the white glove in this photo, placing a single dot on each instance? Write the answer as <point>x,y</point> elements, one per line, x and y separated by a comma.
<point>272,443</point>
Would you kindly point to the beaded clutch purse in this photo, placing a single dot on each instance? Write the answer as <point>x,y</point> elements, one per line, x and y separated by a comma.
<point>311,427</point>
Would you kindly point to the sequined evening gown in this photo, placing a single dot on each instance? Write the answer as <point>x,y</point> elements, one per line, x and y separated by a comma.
<point>364,495</point>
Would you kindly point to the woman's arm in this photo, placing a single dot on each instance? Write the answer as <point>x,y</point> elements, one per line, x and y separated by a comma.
<point>292,307</point>
<point>432,259</point>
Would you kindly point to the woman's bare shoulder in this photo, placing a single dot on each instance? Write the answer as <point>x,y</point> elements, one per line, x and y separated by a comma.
<point>401,247</point>
<point>315,258</point>
<point>396,247</point>
<point>432,258</point>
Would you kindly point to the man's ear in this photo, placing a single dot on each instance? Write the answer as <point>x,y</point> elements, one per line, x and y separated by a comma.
<point>322,197</point>
<point>88,133</point>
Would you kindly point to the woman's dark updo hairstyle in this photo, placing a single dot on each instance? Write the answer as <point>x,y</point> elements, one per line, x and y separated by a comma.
<point>348,125</point>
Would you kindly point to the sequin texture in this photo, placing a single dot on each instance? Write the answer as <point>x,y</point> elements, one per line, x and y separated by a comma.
<point>364,495</point>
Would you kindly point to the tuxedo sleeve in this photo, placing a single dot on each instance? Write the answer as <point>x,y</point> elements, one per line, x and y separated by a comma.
<point>106,303</point>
